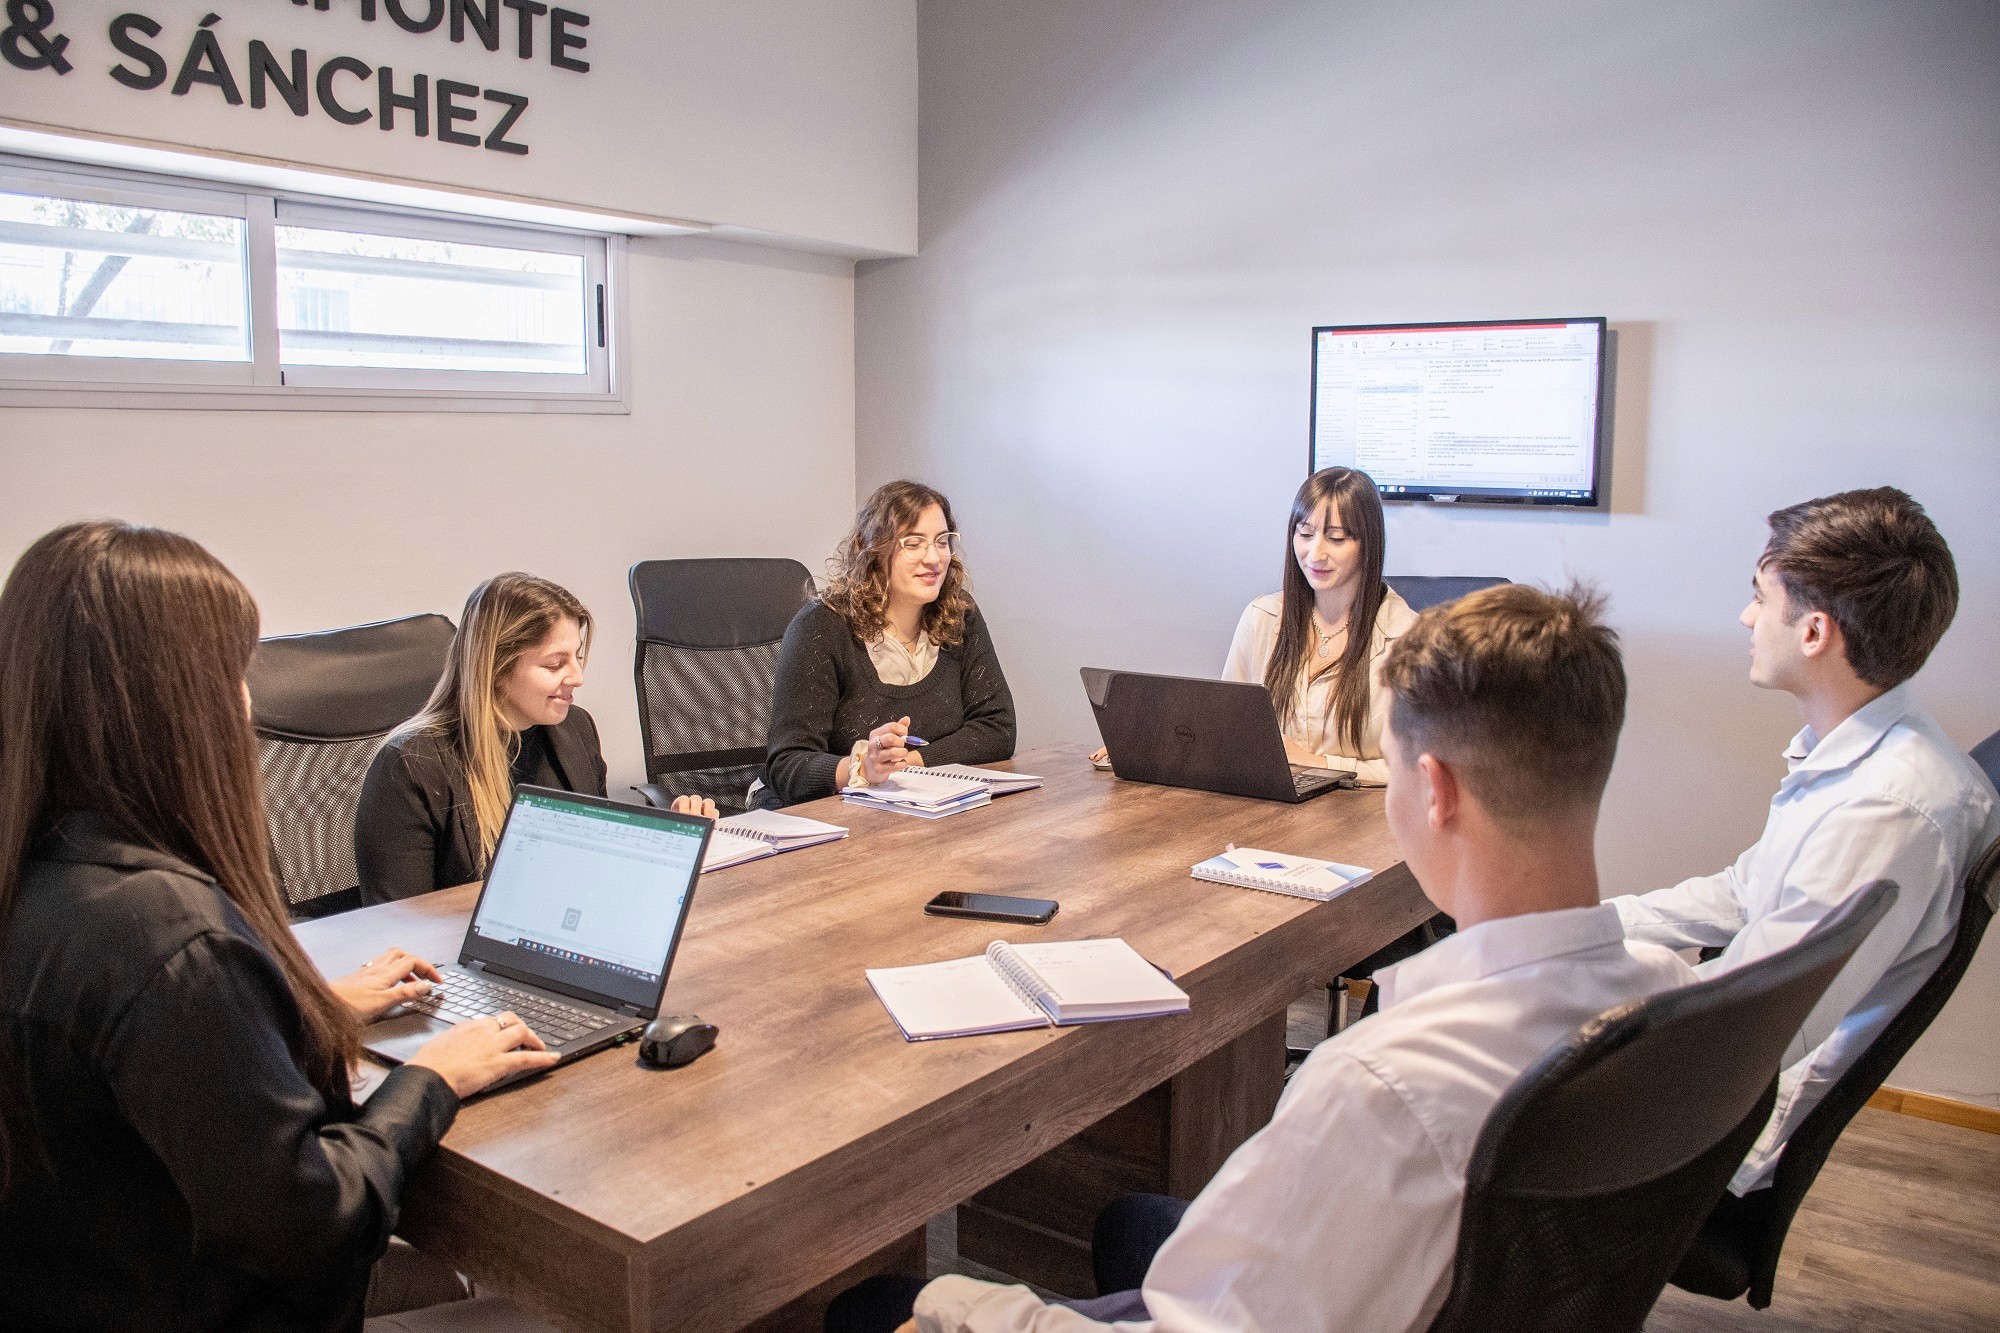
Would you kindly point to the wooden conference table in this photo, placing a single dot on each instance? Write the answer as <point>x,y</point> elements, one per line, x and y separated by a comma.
<point>812,1145</point>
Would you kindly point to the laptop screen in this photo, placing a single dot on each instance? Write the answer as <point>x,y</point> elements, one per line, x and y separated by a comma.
<point>588,895</point>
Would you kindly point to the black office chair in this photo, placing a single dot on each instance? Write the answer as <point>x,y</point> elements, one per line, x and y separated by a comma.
<point>321,704</point>
<point>1736,1251</point>
<point>1597,1166</point>
<point>1424,591</point>
<point>707,656</point>
<point>1986,754</point>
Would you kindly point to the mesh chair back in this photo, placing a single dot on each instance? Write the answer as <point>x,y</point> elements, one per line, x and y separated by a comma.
<point>706,661</point>
<point>1598,1165</point>
<point>1424,591</point>
<point>321,704</point>
<point>1737,1253</point>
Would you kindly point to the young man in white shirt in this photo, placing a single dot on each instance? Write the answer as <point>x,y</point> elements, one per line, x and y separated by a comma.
<point>1851,594</point>
<point>1504,720</point>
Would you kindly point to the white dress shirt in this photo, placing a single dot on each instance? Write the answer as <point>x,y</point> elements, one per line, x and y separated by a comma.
<point>1885,795</point>
<point>1311,724</point>
<point>1342,1213</point>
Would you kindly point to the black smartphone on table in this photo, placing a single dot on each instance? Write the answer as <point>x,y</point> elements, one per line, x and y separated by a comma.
<point>993,907</point>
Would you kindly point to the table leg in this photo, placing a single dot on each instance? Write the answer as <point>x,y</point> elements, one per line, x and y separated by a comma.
<point>1035,1224</point>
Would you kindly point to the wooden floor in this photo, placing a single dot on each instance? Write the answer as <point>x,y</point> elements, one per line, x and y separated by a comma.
<point>1901,1234</point>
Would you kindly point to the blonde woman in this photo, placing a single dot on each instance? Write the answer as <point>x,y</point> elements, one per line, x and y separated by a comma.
<point>503,715</point>
<point>894,649</point>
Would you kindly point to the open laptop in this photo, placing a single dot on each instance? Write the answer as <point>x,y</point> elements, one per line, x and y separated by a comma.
<point>575,929</point>
<point>1212,735</point>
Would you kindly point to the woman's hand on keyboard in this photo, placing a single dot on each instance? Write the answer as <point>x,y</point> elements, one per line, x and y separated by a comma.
<point>385,981</point>
<point>482,1051</point>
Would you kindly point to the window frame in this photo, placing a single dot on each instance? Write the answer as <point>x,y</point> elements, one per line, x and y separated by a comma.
<point>263,382</point>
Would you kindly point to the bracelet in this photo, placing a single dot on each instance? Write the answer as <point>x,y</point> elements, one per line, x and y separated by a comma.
<point>857,766</point>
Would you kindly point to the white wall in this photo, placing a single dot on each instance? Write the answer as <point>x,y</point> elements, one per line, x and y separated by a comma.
<point>790,117</point>
<point>739,442</point>
<point>1132,212</point>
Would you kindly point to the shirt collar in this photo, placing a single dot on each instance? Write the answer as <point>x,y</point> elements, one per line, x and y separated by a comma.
<point>1850,742</point>
<point>84,837</point>
<point>1493,947</point>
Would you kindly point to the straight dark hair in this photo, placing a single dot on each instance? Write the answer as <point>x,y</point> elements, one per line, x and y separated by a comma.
<point>1359,508</point>
<point>123,650</point>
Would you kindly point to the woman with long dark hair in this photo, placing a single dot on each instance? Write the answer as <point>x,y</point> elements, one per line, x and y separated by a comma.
<point>894,648</point>
<point>179,1147</point>
<point>1315,644</point>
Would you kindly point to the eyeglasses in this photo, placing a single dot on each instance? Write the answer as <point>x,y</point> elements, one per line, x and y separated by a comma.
<point>914,544</point>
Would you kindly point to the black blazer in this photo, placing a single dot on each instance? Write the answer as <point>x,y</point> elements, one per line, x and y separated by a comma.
<point>173,1167</point>
<point>415,830</point>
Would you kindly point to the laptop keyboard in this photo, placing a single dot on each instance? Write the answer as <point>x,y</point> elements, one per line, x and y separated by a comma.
<point>463,997</point>
<point>1312,779</point>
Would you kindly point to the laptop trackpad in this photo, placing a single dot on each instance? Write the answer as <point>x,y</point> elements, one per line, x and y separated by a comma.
<point>399,1037</point>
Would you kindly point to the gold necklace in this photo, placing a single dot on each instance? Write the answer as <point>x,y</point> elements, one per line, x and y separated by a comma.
<point>1323,638</point>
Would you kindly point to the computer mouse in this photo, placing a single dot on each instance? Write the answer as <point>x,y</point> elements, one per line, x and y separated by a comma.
<point>673,1040</point>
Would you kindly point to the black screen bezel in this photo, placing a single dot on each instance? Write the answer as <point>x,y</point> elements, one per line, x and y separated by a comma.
<point>1471,495</point>
<point>580,980</point>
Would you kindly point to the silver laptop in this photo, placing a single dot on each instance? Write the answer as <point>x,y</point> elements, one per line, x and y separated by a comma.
<point>575,929</point>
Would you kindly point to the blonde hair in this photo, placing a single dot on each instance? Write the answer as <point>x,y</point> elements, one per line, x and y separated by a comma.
<point>504,619</point>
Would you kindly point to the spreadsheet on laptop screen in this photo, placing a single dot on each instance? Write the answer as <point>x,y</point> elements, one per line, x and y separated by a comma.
<point>593,885</point>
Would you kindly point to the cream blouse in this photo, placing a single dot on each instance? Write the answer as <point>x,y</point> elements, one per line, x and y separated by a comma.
<point>1311,724</point>
<point>897,665</point>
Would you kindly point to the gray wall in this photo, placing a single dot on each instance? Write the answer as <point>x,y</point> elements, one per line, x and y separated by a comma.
<point>1131,213</point>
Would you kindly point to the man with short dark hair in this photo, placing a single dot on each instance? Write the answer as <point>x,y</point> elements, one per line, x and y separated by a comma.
<point>1851,594</point>
<point>1343,1212</point>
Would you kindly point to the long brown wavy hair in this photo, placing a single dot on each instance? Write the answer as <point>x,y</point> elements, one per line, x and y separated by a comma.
<point>504,619</point>
<point>1359,506</point>
<point>857,577</point>
<point>123,650</point>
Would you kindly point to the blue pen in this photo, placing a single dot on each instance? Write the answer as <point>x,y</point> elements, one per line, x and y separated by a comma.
<point>912,742</point>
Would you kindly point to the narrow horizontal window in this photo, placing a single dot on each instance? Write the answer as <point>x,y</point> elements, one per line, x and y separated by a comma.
<point>348,298</point>
<point>86,279</point>
<point>158,290</point>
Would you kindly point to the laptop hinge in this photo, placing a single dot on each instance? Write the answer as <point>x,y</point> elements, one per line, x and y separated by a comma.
<point>629,1010</point>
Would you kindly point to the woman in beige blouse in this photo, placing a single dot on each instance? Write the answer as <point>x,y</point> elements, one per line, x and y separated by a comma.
<point>1299,642</point>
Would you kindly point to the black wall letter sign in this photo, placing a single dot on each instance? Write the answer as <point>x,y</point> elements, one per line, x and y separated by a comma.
<point>529,10</point>
<point>433,15</point>
<point>485,21</point>
<point>450,112</point>
<point>129,46</point>
<point>265,69</point>
<point>25,43</point>
<point>324,84</point>
<point>498,140</point>
<point>418,103</point>
<point>204,64</point>
<point>562,41</point>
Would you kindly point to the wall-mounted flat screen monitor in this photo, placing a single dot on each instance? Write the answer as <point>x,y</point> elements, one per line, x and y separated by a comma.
<point>1501,412</point>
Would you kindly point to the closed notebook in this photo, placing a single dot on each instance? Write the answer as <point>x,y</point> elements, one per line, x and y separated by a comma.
<point>1277,872</point>
<point>1025,986</point>
<point>756,833</point>
<point>997,782</point>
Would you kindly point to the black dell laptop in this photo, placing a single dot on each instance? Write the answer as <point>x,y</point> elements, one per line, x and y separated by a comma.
<point>575,929</point>
<point>1212,735</point>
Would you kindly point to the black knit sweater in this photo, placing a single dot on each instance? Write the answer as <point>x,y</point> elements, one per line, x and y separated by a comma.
<point>827,697</point>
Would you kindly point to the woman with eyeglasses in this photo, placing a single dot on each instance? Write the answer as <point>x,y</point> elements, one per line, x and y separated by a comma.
<point>892,666</point>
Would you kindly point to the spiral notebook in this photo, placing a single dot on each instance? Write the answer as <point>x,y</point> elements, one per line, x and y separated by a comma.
<point>998,782</point>
<point>1276,872</point>
<point>759,833</point>
<point>1014,986</point>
